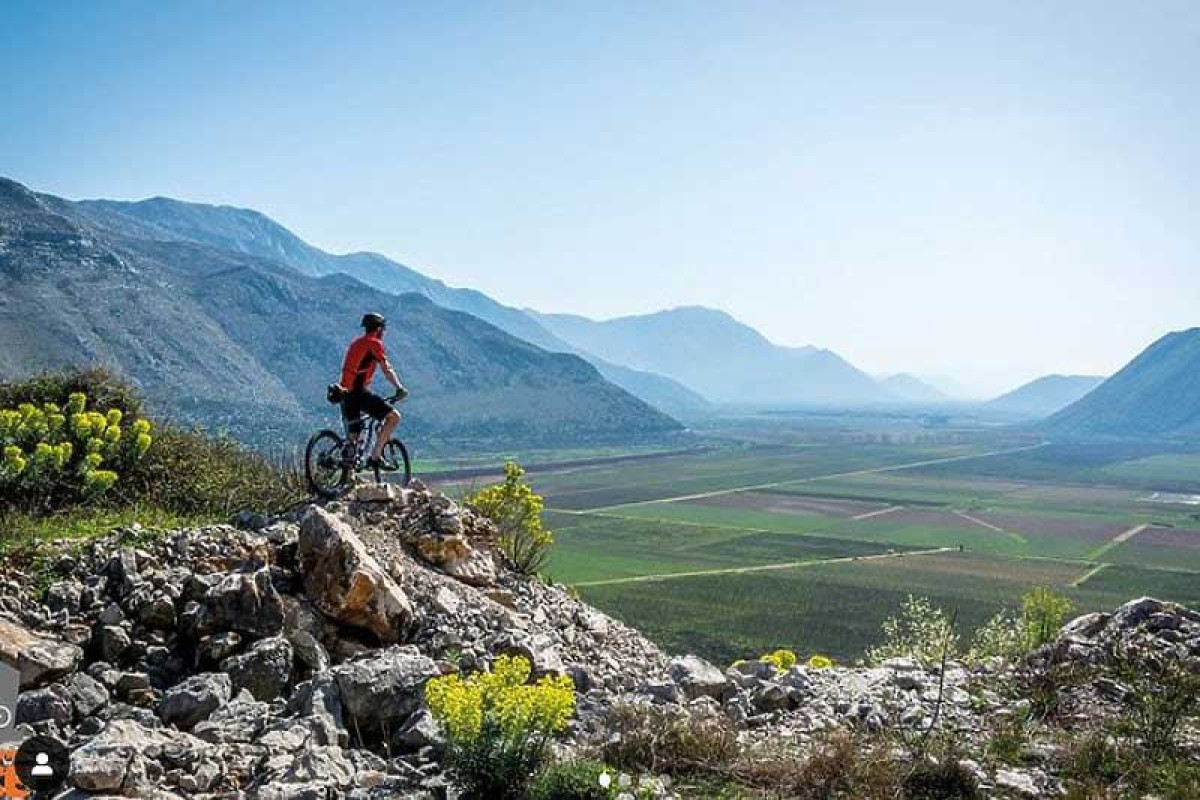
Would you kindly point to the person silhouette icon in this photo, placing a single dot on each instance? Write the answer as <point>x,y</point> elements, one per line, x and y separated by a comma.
<point>43,768</point>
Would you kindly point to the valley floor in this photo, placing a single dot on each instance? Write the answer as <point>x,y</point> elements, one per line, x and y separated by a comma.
<point>745,546</point>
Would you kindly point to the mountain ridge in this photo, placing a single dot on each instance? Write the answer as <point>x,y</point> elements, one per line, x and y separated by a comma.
<point>254,233</point>
<point>720,357</point>
<point>1154,396</point>
<point>246,344</point>
<point>1044,396</point>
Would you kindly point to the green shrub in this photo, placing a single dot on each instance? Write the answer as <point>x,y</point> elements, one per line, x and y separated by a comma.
<point>517,512</point>
<point>77,441</point>
<point>922,632</point>
<point>1042,614</point>
<point>1002,636</point>
<point>1009,637</point>
<point>498,726</point>
<point>574,780</point>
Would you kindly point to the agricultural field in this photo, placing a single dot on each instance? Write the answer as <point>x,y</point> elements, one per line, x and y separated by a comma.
<point>742,546</point>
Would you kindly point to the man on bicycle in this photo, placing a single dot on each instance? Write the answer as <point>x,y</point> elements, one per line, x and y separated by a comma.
<point>364,354</point>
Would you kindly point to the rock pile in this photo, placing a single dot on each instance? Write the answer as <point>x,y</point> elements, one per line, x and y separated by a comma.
<point>286,662</point>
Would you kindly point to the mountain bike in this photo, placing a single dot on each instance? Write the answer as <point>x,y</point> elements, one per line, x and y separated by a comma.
<point>331,459</point>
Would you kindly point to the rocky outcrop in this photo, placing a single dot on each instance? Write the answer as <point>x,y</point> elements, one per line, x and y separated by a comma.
<point>289,660</point>
<point>345,582</point>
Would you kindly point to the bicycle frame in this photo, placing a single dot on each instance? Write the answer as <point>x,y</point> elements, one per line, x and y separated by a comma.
<point>365,440</point>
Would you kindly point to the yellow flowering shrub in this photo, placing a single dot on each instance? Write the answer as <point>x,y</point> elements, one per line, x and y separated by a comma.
<point>517,511</point>
<point>498,725</point>
<point>820,662</point>
<point>782,659</point>
<point>53,453</point>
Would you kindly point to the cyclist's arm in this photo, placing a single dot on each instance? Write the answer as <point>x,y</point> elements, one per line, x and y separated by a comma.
<point>391,375</point>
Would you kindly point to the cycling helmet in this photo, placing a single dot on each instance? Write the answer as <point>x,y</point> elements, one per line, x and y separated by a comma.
<point>373,322</point>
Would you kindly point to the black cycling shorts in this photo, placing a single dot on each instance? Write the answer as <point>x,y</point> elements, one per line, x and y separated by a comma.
<point>360,401</point>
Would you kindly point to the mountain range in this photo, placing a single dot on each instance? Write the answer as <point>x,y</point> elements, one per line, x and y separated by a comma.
<point>677,360</point>
<point>723,359</point>
<point>250,232</point>
<point>1155,396</point>
<point>225,317</point>
<point>1044,396</point>
<point>226,335</point>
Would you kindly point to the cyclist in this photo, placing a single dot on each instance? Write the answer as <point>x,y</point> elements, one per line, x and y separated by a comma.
<point>364,354</point>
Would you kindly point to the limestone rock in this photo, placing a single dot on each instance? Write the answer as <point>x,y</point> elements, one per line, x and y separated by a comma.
<point>39,660</point>
<point>455,556</point>
<point>345,582</point>
<point>384,689</point>
<point>193,700</point>
<point>698,678</point>
<point>265,670</point>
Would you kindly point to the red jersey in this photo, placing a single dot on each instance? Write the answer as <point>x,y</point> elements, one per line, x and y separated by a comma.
<point>362,356</point>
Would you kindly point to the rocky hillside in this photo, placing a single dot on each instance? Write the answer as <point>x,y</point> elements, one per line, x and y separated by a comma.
<point>241,343</point>
<point>1154,396</point>
<point>286,659</point>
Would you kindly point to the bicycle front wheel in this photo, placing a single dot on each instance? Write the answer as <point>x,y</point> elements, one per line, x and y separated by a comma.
<point>324,467</point>
<point>395,460</point>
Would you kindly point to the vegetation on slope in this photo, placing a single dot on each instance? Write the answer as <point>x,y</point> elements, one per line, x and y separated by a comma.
<point>159,471</point>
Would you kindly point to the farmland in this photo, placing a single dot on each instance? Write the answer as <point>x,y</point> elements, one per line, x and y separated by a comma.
<point>756,542</point>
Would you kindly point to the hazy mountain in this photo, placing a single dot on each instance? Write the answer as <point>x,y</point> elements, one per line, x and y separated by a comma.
<point>911,389</point>
<point>250,232</point>
<point>722,359</point>
<point>1155,396</point>
<point>1044,396</point>
<point>233,339</point>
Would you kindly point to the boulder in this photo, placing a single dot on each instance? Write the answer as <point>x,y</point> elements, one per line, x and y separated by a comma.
<point>385,689</point>
<point>698,678</point>
<point>124,758</point>
<point>344,581</point>
<point>265,670</point>
<point>111,642</point>
<point>1086,626</point>
<point>238,721</point>
<point>38,659</point>
<point>51,703</point>
<point>455,556</point>
<point>246,603</point>
<point>88,695</point>
<point>421,730</point>
<point>194,699</point>
<point>376,493</point>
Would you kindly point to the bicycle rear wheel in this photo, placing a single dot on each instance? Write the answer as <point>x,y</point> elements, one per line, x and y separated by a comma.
<point>395,460</point>
<point>324,467</point>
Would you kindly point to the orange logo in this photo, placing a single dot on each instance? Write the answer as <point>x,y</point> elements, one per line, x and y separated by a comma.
<point>11,787</point>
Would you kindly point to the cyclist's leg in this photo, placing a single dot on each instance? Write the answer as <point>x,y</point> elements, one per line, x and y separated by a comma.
<point>388,417</point>
<point>353,420</point>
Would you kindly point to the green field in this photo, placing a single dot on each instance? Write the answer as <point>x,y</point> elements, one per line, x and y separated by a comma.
<point>750,544</point>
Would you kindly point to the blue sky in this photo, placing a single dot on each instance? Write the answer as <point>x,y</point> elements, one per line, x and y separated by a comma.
<point>988,192</point>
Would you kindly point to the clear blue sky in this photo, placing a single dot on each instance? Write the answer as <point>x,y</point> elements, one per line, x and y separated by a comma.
<point>988,193</point>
